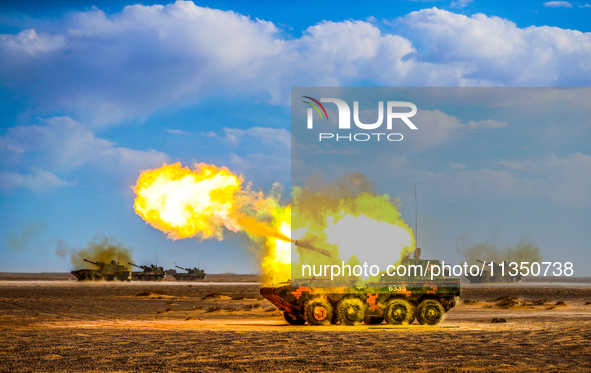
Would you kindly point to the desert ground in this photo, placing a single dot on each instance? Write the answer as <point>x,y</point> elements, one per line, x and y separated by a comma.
<point>55,325</point>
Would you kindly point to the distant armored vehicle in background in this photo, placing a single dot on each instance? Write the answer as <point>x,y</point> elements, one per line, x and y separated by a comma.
<point>107,271</point>
<point>497,274</point>
<point>148,273</point>
<point>170,272</point>
<point>191,275</point>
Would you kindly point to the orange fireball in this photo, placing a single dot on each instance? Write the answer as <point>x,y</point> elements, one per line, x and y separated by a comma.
<point>185,203</point>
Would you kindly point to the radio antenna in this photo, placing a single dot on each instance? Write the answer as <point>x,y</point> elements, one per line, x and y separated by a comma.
<point>416,226</point>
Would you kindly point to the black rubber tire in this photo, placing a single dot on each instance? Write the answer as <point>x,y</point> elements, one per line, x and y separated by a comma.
<point>399,312</point>
<point>371,320</point>
<point>318,311</point>
<point>151,278</point>
<point>430,312</point>
<point>350,311</point>
<point>293,320</point>
<point>135,278</point>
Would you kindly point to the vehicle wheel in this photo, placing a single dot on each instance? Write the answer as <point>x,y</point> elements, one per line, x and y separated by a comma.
<point>135,278</point>
<point>151,278</point>
<point>430,312</point>
<point>142,278</point>
<point>293,320</point>
<point>371,320</point>
<point>350,311</point>
<point>400,312</point>
<point>318,311</point>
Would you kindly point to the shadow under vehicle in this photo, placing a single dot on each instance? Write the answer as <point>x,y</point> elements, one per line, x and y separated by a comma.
<point>107,271</point>
<point>193,274</point>
<point>395,299</point>
<point>148,273</point>
<point>500,273</point>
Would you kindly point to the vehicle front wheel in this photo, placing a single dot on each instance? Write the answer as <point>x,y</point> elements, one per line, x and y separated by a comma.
<point>318,311</point>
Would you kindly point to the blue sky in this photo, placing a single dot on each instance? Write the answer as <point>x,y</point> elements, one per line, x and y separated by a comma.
<point>92,93</point>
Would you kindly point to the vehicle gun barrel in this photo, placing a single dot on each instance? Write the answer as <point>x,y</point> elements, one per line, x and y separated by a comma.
<point>480,261</point>
<point>135,265</point>
<point>95,263</point>
<point>312,248</point>
<point>184,269</point>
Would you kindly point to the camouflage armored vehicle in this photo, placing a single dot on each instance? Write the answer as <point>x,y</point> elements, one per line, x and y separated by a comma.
<point>191,275</point>
<point>497,274</point>
<point>148,273</point>
<point>395,299</point>
<point>170,272</point>
<point>107,271</point>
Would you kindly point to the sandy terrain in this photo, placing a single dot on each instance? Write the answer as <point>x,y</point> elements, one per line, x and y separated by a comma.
<point>71,326</point>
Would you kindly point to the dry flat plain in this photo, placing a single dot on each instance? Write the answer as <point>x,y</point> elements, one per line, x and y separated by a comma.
<point>55,326</point>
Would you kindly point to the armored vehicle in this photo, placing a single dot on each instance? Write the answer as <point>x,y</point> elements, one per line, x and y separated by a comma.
<point>398,300</point>
<point>497,274</point>
<point>107,271</point>
<point>170,272</point>
<point>148,273</point>
<point>191,275</point>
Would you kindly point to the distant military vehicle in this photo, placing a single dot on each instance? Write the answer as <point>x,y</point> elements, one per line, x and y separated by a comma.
<point>148,273</point>
<point>107,271</point>
<point>397,300</point>
<point>497,274</point>
<point>170,272</point>
<point>193,274</point>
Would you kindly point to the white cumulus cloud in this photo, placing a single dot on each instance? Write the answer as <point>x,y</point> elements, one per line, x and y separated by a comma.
<point>558,4</point>
<point>62,145</point>
<point>37,180</point>
<point>563,180</point>
<point>103,68</point>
